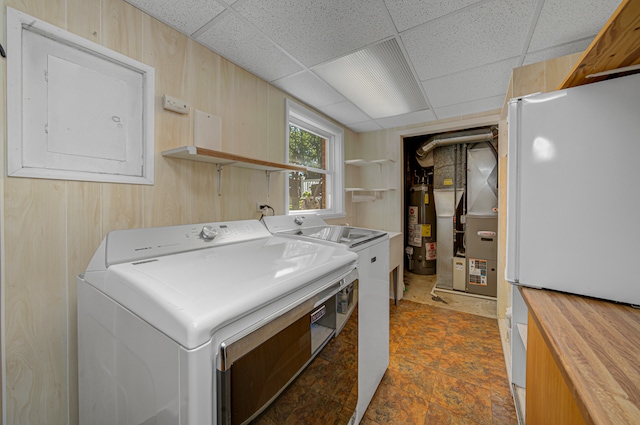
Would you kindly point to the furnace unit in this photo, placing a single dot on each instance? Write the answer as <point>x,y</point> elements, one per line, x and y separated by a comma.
<point>481,240</point>
<point>482,250</point>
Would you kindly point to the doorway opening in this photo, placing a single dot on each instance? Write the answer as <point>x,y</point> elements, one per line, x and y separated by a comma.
<point>450,188</point>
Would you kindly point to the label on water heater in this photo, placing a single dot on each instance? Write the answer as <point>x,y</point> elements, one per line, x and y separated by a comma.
<point>413,215</point>
<point>415,234</point>
<point>430,251</point>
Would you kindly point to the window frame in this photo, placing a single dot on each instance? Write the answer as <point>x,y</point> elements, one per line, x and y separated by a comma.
<point>309,120</point>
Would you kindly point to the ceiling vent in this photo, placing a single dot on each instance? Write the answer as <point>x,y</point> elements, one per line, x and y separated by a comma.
<point>376,79</point>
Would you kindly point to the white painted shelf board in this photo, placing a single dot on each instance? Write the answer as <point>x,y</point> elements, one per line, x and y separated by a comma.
<point>520,399</point>
<point>356,162</point>
<point>522,330</point>
<point>365,162</point>
<point>319,335</point>
<point>383,161</point>
<point>194,153</point>
<point>364,196</point>
<point>361,189</point>
<point>369,194</point>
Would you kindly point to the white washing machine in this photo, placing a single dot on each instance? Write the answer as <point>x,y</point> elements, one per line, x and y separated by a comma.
<point>372,247</point>
<point>167,318</point>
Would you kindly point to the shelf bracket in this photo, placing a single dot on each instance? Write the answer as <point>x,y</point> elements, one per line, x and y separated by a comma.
<point>268,173</point>
<point>219,168</point>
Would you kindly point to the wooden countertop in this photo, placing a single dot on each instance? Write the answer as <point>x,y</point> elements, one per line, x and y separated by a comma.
<point>596,346</point>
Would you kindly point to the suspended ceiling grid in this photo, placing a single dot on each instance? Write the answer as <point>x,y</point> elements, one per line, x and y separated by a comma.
<point>459,52</point>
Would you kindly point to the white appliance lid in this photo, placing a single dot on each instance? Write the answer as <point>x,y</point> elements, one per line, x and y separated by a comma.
<point>189,295</point>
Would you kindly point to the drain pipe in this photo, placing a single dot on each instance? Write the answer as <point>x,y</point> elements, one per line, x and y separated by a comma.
<point>464,181</point>
<point>464,200</point>
<point>455,196</point>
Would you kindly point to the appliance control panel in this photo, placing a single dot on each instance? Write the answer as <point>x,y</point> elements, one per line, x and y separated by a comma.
<point>283,223</point>
<point>123,246</point>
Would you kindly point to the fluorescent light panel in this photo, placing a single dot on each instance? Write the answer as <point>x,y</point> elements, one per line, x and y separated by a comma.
<point>376,79</point>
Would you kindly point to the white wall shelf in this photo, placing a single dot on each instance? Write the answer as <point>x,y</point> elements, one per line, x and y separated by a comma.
<point>361,194</point>
<point>519,322</point>
<point>364,162</point>
<point>221,159</point>
<point>522,331</point>
<point>195,153</point>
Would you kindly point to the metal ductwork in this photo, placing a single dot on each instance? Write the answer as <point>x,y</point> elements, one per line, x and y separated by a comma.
<point>460,137</point>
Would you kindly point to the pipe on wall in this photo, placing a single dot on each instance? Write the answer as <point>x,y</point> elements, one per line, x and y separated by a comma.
<point>460,137</point>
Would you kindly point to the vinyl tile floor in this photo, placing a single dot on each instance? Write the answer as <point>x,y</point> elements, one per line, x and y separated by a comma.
<point>446,367</point>
<point>418,288</point>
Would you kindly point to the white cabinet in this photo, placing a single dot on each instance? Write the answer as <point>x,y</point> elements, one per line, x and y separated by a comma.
<point>373,321</point>
<point>374,176</point>
<point>519,321</point>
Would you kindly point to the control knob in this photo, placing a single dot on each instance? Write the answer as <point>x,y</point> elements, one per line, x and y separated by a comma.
<point>298,220</point>
<point>208,233</point>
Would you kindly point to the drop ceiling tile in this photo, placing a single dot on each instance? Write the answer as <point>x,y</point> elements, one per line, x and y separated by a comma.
<point>556,52</point>
<point>563,21</point>
<point>410,13</point>
<point>247,48</point>
<point>376,79</point>
<point>310,89</point>
<point>477,83</point>
<point>344,112</point>
<point>363,127</point>
<point>316,31</point>
<point>186,16</point>
<point>478,35</point>
<point>407,119</point>
<point>473,107</point>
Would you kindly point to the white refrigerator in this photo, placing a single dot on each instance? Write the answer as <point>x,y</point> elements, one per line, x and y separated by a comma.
<point>573,190</point>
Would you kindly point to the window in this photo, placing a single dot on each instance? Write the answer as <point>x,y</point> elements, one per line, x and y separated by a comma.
<point>317,144</point>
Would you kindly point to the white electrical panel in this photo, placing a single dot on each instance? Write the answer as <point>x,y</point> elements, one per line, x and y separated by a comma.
<point>75,110</point>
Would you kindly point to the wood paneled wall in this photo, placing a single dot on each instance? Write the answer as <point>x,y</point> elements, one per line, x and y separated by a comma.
<point>50,229</point>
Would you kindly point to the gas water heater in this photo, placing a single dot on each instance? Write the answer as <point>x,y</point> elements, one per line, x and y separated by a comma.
<point>422,230</point>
